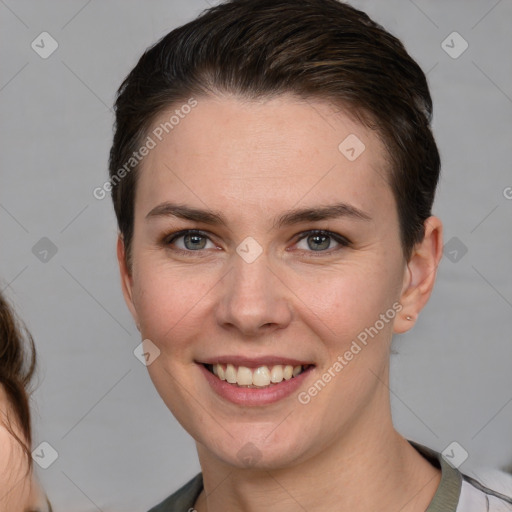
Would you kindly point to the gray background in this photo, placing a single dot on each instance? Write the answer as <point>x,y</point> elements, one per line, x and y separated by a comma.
<point>119,447</point>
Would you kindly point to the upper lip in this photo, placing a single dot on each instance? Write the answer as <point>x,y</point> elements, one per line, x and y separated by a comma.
<point>254,362</point>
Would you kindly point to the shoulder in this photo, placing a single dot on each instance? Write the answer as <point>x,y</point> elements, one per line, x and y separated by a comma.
<point>183,499</point>
<point>492,492</point>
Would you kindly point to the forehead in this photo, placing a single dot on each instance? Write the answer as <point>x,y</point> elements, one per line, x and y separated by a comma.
<point>228,152</point>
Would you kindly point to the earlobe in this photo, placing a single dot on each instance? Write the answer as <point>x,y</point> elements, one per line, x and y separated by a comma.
<point>420,275</point>
<point>126,279</point>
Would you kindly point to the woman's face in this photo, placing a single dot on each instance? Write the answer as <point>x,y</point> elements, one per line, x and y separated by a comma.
<point>19,490</point>
<point>255,287</point>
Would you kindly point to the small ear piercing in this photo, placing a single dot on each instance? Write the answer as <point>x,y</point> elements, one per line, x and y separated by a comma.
<point>408,317</point>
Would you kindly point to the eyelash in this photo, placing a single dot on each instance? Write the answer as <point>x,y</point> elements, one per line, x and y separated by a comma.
<point>341,240</point>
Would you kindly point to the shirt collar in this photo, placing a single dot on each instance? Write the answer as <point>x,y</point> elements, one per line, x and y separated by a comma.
<point>447,495</point>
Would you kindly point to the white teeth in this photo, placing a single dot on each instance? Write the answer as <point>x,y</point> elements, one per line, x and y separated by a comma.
<point>220,371</point>
<point>244,376</point>
<point>261,376</point>
<point>258,377</point>
<point>230,374</point>
<point>288,372</point>
<point>276,375</point>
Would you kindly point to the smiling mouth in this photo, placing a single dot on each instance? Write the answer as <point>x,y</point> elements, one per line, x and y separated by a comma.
<point>260,377</point>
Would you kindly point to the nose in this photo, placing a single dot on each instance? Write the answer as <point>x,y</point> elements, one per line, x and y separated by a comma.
<point>254,299</point>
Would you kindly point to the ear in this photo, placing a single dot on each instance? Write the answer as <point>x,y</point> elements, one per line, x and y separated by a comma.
<point>420,275</point>
<point>126,279</point>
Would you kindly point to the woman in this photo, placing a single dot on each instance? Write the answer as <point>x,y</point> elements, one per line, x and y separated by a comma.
<point>273,172</point>
<point>19,489</point>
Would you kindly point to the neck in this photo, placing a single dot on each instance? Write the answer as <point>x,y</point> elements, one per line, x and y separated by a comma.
<point>371,467</point>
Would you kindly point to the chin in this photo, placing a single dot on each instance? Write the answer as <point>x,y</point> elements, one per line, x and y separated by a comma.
<point>258,452</point>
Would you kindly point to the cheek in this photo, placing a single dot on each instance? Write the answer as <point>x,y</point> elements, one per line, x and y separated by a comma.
<point>345,301</point>
<point>171,313</point>
<point>13,469</point>
<point>169,302</point>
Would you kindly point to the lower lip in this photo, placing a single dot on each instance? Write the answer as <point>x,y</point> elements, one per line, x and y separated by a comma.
<point>254,396</point>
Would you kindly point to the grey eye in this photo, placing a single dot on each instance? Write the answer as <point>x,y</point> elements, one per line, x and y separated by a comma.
<point>319,242</point>
<point>193,242</point>
<point>190,241</point>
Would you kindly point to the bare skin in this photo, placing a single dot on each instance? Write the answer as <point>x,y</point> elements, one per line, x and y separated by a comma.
<point>253,161</point>
<point>19,489</point>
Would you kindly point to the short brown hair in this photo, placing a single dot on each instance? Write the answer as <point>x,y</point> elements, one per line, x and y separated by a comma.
<point>317,49</point>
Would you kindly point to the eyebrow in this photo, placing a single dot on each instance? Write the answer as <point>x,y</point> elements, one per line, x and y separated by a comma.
<point>289,218</point>
<point>168,209</point>
<point>313,214</point>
